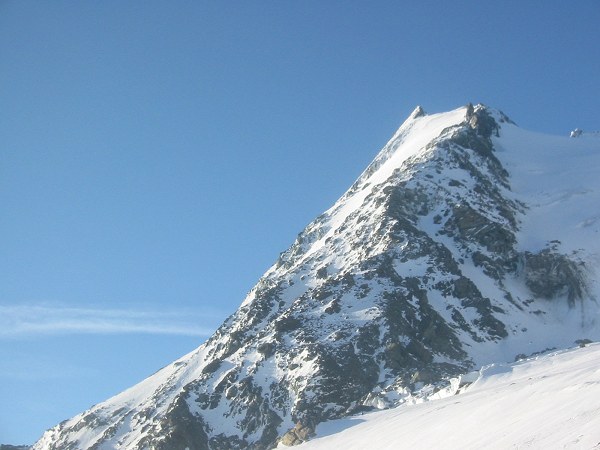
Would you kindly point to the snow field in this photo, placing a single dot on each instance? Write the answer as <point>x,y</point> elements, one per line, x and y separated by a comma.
<point>548,402</point>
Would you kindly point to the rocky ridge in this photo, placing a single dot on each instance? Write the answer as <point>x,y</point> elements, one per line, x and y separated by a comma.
<point>417,274</point>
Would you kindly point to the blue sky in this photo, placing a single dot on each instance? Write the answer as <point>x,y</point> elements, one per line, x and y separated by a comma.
<point>156,157</point>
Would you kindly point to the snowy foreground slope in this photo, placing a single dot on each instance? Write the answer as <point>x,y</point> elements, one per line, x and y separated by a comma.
<point>467,241</point>
<point>548,402</point>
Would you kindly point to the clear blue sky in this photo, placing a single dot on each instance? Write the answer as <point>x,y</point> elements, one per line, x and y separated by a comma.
<point>155,157</point>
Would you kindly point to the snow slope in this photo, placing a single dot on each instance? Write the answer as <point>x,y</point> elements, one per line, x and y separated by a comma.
<point>548,402</point>
<point>558,178</point>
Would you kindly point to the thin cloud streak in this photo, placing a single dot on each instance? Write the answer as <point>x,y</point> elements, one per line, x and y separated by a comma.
<point>31,320</point>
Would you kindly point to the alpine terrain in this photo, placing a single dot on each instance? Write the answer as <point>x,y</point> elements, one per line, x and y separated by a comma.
<point>549,401</point>
<point>467,241</point>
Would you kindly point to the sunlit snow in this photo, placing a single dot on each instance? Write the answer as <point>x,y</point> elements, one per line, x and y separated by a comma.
<point>551,401</point>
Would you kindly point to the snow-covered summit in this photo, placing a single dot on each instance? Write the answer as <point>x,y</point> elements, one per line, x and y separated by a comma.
<point>467,241</point>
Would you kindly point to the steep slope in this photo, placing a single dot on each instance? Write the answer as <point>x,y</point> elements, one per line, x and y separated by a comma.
<point>549,401</point>
<point>466,241</point>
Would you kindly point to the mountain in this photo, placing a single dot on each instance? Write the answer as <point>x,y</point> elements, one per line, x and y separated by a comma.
<point>467,241</point>
<point>549,401</point>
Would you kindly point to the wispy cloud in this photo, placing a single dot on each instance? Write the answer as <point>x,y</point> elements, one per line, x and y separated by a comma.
<point>30,320</point>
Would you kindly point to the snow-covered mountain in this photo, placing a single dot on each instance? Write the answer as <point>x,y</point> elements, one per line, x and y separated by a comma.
<point>466,242</point>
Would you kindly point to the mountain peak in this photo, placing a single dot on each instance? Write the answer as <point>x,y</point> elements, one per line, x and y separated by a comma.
<point>458,246</point>
<point>417,112</point>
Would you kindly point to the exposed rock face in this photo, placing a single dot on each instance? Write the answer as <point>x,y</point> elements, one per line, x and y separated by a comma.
<point>414,276</point>
<point>551,275</point>
<point>297,435</point>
